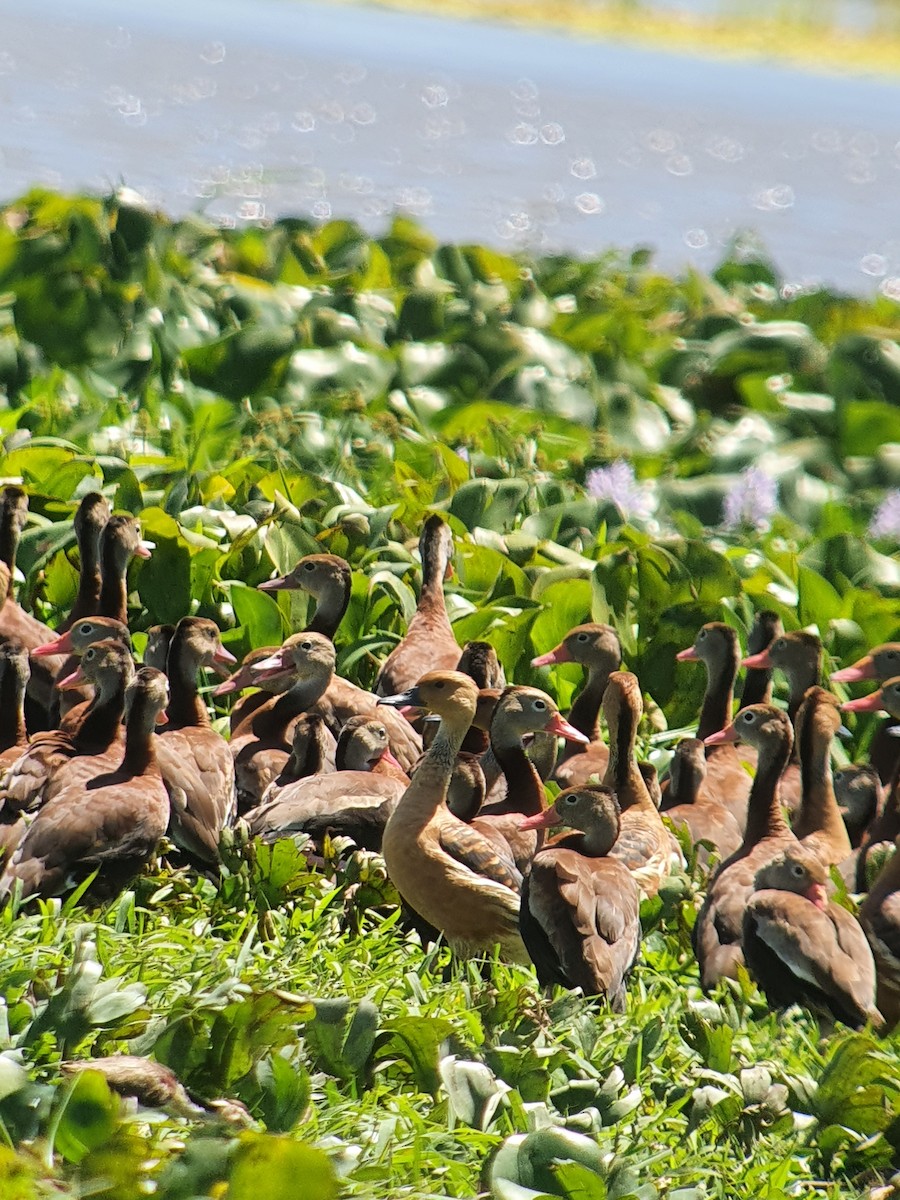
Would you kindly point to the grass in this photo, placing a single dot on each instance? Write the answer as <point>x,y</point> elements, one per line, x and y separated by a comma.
<point>801,41</point>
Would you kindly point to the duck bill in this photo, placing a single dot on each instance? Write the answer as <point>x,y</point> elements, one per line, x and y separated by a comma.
<point>223,656</point>
<point>232,684</point>
<point>689,655</point>
<point>283,583</point>
<point>75,679</point>
<point>871,703</point>
<point>162,717</point>
<point>721,737</point>
<point>407,699</point>
<point>267,667</point>
<point>388,759</point>
<point>561,727</point>
<point>559,654</point>
<point>817,894</point>
<point>61,645</point>
<point>542,820</point>
<point>758,662</point>
<point>864,669</point>
<point>144,548</point>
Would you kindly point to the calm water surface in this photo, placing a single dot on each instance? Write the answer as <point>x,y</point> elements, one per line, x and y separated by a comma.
<point>249,111</point>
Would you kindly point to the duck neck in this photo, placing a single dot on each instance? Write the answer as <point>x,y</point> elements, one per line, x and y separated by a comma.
<point>185,708</point>
<point>757,687</point>
<point>113,586</point>
<point>524,789</point>
<point>104,715</point>
<point>90,581</point>
<point>585,711</point>
<point>718,700</point>
<point>9,544</point>
<point>140,751</point>
<point>819,812</point>
<point>764,814</point>
<point>12,709</point>
<point>331,604</point>
<point>800,680</point>
<point>428,789</point>
<point>272,723</point>
<point>622,772</point>
<point>434,568</point>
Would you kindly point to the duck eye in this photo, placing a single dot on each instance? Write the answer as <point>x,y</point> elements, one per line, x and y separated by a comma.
<point>540,705</point>
<point>797,870</point>
<point>439,684</point>
<point>306,646</point>
<point>780,644</point>
<point>571,799</point>
<point>86,630</point>
<point>701,635</point>
<point>747,718</point>
<point>308,566</point>
<point>583,637</point>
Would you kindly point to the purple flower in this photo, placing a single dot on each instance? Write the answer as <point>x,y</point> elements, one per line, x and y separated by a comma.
<point>886,521</point>
<point>617,483</point>
<point>752,501</point>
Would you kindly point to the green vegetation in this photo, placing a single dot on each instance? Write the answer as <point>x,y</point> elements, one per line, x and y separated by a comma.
<point>259,394</point>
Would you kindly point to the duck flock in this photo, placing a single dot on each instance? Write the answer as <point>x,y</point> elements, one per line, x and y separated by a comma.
<point>441,769</point>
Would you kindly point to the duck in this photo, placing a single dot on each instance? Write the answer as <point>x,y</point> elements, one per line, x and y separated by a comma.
<point>479,661</point>
<point>91,729</point>
<point>718,931</point>
<point>860,798</point>
<point>882,663</point>
<point>328,579</point>
<point>818,823</point>
<point>354,801</point>
<point>313,749</point>
<point>644,844</point>
<point>90,520</point>
<point>878,839</point>
<point>801,949</point>
<point>446,871</point>
<point>519,713</point>
<point>879,916</point>
<point>14,671</point>
<point>597,648</point>
<point>429,644</point>
<point>244,677</point>
<point>113,822</point>
<point>727,781</point>
<point>766,629</point>
<point>120,541</point>
<point>68,649</point>
<point>196,763</point>
<point>17,624</point>
<point>261,743</point>
<point>706,820</point>
<point>156,649</point>
<point>798,655</point>
<point>580,909</point>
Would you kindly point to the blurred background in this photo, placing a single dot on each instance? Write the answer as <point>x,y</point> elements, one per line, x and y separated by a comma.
<point>680,125</point>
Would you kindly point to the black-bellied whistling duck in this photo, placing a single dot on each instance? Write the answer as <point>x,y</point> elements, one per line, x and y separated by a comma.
<point>727,781</point>
<point>879,915</point>
<point>580,911</point>
<point>68,648</point>
<point>120,541</point>
<point>312,753</point>
<point>644,844</point>
<point>596,648</point>
<point>446,871</point>
<point>765,629</point>
<point>520,712</point>
<point>718,929</point>
<point>91,729</point>
<point>328,580</point>
<point>89,521</point>
<point>196,763</point>
<point>879,837</point>
<point>14,669</point>
<point>860,799</point>
<point>244,677</point>
<point>818,823</point>
<point>801,949</point>
<point>705,820</point>
<point>113,822</point>
<point>261,744</point>
<point>156,651</point>
<point>429,644</point>
<point>882,663</point>
<point>355,800</point>
<point>798,655</point>
<point>480,662</point>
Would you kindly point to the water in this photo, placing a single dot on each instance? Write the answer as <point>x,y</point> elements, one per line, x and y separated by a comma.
<point>251,111</point>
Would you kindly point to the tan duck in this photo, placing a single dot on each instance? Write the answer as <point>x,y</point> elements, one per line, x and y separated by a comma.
<point>90,520</point>
<point>447,872</point>
<point>727,781</point>
<point>113,822</point>
<point>580,911</point>
<point>312,753</point>
<point>718,931</point>
<point>798,655</point>
<point>261,744</point>
<point>68,649</point>
<point>882,663</point>
<point>519,713</point>
<point>860,798</point>
<point>801,949</point>
<point>429,644</point>
<point>17,624</point>
<point>354,801</point>
<point>91,729</point>
<point>327,578</point>
<point>879,916</point>
<point>818,823</point>
<point>644,844</point>
<point>706,820</point>
<point>596,648</point>
<point>195,761</point>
